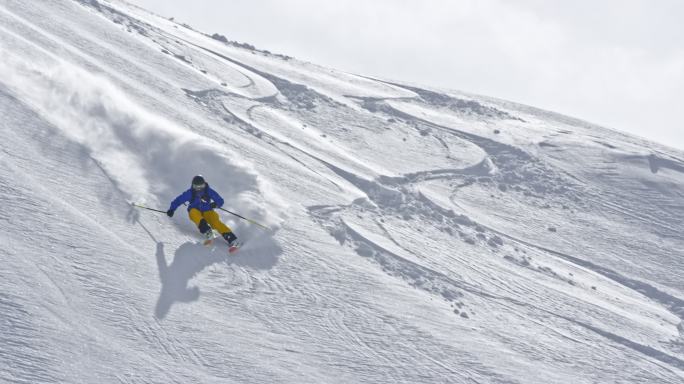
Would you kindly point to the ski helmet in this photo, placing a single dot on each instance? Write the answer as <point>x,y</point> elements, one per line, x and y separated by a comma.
<point>198,182</point>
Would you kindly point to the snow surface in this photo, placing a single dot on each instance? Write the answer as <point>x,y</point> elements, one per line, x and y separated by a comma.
<point>418,235</point>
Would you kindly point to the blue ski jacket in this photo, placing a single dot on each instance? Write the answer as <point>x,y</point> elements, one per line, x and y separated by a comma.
<point>198,199</point>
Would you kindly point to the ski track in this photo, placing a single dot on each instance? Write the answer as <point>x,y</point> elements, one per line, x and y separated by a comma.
<point>419,235</point>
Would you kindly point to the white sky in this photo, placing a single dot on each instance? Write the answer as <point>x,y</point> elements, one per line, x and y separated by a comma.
<point>618,63</point>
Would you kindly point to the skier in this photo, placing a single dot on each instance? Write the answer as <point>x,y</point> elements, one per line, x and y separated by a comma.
<point>202,201</point>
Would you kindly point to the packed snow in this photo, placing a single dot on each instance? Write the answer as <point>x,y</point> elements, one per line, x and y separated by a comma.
<point>416,235</point>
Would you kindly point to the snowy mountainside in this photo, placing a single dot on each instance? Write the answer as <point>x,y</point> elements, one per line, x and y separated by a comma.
<point>418,235</point>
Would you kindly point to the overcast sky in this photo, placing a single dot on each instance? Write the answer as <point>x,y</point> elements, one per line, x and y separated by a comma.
<point>618,63</point>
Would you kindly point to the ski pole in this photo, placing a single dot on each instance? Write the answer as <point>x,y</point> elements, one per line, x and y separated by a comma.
<point>244,218</point>
<point>144,207</point>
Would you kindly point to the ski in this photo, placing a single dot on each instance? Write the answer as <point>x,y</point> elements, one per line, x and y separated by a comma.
<point>209,241</point>
<point>233,248</point>
<point>209,238</point>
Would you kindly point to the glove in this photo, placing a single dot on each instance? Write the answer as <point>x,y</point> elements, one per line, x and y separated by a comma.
<point>169,213</point>
<point>213,205</point>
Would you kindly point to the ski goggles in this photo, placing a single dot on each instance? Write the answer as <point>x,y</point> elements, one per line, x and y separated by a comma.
<point>198,187</point>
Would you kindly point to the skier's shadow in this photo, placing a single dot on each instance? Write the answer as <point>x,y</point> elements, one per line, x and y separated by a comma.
<point>191,258</point>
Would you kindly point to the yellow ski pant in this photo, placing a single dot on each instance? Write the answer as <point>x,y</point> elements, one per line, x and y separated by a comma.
<point>212,219</point>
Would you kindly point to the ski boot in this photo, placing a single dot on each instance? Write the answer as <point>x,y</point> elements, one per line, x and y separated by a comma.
<point>233,243</point>
<point>207,232</point>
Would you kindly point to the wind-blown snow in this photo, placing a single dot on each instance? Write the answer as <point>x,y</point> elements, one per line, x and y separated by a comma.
<point>417,235</point>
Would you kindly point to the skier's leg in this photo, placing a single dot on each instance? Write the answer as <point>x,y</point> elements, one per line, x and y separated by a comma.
<point>216,223</point>
<point>199,220</point>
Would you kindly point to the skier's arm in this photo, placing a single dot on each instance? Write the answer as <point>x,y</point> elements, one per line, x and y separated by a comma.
<point>182,198</point>
<point>216,197</point>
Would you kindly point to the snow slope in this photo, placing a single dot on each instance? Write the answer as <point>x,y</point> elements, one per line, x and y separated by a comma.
<point>419,235</point>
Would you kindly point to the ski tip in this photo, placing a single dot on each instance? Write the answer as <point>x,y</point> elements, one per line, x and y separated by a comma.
<point>233,249</point>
